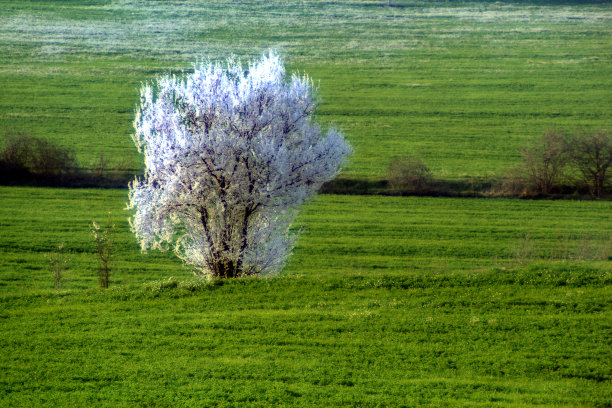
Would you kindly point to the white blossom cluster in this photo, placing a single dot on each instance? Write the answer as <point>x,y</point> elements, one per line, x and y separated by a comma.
<point>230,155</point>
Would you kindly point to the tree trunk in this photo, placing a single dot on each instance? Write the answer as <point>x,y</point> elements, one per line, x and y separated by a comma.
<point>226,268</point>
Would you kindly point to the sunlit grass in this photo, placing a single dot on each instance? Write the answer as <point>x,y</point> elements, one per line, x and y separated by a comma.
<point>385,302</point>
<point>461,84</point>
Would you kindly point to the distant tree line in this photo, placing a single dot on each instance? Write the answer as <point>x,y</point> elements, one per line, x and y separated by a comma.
<point>554,164</point>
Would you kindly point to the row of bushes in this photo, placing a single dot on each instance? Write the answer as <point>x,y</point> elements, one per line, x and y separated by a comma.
<point>555,163</point>
<point>556,160</point>
<point>26,159</point>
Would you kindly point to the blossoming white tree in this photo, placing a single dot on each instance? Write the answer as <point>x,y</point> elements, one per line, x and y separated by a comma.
<point>230,155</point>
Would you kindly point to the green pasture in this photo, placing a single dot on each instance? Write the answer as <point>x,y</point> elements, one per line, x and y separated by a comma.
<point>336,235</point>
<point>462,84</point>
<point>386,302</point>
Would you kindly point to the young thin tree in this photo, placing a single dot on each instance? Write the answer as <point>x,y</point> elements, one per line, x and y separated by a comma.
<point>59,261</point>
<point>230,155</point>
<point>103,241</point>
<point>591,152</point>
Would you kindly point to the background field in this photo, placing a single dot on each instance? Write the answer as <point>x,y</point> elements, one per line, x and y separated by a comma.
<point>386,302</point>
<point>461,83</point>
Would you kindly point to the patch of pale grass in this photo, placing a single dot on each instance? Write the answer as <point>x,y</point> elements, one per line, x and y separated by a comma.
<point>188,30</point>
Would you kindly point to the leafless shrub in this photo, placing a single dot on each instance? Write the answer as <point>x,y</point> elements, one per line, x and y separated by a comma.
<point>592,249</point>
<point>110,170</point>
<point>103,241</point>
<point>23,154</point>
<point>514,183</point>
<point>604,250</point>
<point>59,261</point>
<point>591,153</point>
<point>409,174</point>
<point>567,248</point>
<point>100,168</point>
<point>542,168</point>
<point>561,251</point>
<point>544,161</point>
<point>524,251</point>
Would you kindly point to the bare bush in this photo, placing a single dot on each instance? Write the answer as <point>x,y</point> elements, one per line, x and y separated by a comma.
<point>566,248</point>
<point>591,153</point>
<point>524,251</point>
<point>103,241</point>
<point>514,183</point>
<point>24,154</point>
<point>58,263</point>
<point>409,174</point>
<point>106,170</point>
<point>100,167</point>
<point>544,161</point>
<point>541,170</point>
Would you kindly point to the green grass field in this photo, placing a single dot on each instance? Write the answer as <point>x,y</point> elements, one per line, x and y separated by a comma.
<point>463,84</point>
<point>386,302</point>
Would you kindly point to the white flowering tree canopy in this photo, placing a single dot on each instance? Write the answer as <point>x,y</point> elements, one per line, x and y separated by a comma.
<point>230,154</point>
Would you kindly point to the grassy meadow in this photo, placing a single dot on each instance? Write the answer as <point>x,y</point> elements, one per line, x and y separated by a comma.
<point>462,84</point>
<point>386,301</point>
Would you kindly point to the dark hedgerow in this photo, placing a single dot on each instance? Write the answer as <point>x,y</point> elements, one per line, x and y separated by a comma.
<point>25,157</point>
